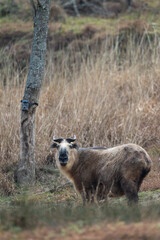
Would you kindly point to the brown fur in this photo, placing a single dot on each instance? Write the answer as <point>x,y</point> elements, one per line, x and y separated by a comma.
<point>118,170</point>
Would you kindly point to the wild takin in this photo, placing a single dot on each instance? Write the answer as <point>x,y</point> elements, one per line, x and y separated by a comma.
<point>96,172</point>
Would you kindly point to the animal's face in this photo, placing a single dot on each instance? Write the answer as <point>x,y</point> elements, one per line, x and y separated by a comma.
<point>65,148</point>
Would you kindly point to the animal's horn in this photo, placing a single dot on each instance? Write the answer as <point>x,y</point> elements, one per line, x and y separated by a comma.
<point>69,140</point>
<point>59,140</point>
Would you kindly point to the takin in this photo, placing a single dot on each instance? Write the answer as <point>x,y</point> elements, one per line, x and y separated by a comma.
<point>99,172</point>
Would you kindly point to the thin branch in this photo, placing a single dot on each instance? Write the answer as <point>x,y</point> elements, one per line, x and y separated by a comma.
<point>75,8</point>
<point>67,3</point>
<point>33,6</point>
<point>72,2</point>
<point>41,3</point>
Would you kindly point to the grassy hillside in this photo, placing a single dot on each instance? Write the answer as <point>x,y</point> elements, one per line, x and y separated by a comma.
<point>67,32</point>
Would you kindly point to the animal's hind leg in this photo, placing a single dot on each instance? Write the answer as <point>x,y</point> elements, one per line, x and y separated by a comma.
<point>116,190</point>
<point>130,190</point>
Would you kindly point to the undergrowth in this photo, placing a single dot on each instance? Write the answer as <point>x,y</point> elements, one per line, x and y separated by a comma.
<point>28,214</point>
<point>105,98</point>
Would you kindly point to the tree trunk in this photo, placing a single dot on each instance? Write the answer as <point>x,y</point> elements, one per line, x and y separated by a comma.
<point>26,166</point>
<point>129,2</point>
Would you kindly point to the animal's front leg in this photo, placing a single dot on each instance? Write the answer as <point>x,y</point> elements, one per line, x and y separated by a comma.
<point>102,191</point>
<point>87,196</point>
<point>130,190</point>
<point>83,194</point>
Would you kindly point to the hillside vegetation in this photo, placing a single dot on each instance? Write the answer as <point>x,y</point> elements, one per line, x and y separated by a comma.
<point>101,84</point>
<point>67,32</point>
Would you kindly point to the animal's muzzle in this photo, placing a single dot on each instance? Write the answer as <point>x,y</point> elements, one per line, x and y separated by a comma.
<point>63,158</point>
<point>63,161</point>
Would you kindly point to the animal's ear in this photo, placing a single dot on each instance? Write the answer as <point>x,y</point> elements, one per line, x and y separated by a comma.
<point>54,145</point>
<point>75,145</point>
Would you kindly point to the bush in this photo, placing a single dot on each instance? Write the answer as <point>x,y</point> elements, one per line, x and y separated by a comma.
<point>8,7</point>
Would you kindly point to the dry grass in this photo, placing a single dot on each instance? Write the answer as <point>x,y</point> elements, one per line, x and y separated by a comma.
<point>104,231</point>
<point>103,100</point>
<point>97,232</point>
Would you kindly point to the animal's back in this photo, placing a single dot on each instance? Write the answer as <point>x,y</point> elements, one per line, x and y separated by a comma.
<point>129,155</point>
<point>119,167</point>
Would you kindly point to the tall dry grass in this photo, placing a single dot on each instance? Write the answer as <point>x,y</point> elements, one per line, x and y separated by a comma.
<point>104,100</point>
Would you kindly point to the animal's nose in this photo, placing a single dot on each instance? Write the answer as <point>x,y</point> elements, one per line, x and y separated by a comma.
<point>63,154</point>
<point>63,157</point>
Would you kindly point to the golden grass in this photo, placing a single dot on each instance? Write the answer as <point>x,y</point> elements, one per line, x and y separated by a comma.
<point>101,101</point>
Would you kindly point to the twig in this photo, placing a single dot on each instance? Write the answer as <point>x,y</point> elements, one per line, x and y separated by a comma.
<point>41,3</point>
<point>72,2</point>
<point>67,3</point>
<point>75,8</point>
<point>33,6</point>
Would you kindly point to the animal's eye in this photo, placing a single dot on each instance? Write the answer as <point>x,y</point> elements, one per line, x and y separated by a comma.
<point>55,145</point>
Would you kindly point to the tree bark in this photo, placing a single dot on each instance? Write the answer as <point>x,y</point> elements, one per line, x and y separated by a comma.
<point>129,2</point>
<point>26,166</point>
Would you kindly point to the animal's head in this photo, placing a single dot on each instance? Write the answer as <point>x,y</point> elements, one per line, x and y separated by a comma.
<point>66,149</point>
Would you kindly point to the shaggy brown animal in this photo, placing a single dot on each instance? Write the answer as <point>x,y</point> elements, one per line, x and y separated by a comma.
<point>97,171</point>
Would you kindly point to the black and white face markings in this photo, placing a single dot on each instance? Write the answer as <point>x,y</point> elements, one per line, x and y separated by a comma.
<point>63,146</point>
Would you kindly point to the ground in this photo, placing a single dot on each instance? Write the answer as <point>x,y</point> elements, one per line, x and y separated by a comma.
<point>70,220</point>
<point>104,231</point>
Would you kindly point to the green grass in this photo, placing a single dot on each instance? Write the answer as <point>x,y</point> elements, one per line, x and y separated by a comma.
<point>28,211</point>
<point>77,24</point>
<point>29,214</point>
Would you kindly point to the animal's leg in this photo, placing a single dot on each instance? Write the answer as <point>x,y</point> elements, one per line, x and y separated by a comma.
<point>87,196</point>
<point>99,192</point>
<point>142,176</point>
<point>102,191</point>
<point>83,195</point>
<point>83,198</point>
<point>130,190</point>
<point>116,190</point>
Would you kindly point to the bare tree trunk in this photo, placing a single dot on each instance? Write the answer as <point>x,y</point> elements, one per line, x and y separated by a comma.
<point>26,166</point>
<point>129,3</point>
